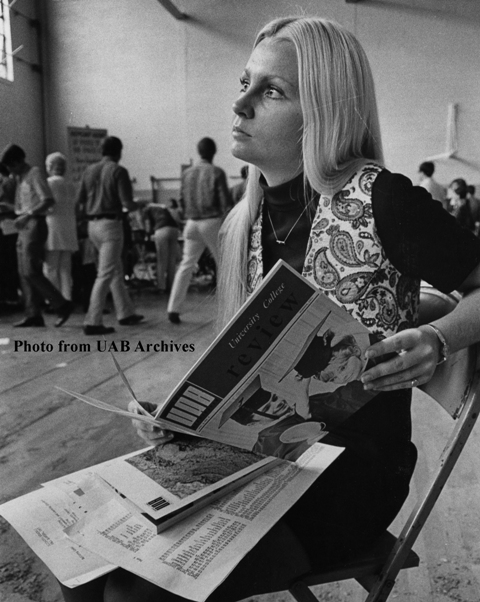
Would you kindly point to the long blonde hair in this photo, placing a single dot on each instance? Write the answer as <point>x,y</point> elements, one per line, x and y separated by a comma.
<point>340,131</point>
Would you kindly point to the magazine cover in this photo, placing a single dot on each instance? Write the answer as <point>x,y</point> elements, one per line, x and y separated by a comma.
<point>169,482</point>
<point>281,374</point>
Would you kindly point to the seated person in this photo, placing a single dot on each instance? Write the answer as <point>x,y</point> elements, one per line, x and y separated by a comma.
<point>306,123</point>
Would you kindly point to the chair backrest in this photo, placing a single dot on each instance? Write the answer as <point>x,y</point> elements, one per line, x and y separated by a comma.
<point>456,386</point>
<point>455,375</point>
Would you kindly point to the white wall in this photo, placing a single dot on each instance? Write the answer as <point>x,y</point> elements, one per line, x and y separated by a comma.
<point>423,60</point>
<point>161,84</point>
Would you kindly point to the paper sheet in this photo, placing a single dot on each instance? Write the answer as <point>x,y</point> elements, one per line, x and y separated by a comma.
<point>40,518</point>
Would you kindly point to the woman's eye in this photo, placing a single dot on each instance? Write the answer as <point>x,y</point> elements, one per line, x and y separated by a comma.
<point>243,85</point>
<point>273,93</point>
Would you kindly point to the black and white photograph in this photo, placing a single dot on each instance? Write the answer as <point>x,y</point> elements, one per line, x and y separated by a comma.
<point>255,223</point>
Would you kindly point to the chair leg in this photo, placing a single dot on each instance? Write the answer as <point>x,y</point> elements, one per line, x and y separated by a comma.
<point>302,592</point>
<point>381,593</point>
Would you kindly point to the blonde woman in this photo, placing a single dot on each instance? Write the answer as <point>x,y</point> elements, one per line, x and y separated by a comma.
<point>318,197</point>
<point>62,228</point>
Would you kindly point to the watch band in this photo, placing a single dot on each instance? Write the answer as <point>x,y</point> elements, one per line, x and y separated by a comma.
<point>444,347</point>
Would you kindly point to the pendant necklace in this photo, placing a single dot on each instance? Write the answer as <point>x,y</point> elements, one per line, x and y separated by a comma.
<point>282,242</point>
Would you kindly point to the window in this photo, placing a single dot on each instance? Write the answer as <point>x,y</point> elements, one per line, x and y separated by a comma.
<point>6,59</point>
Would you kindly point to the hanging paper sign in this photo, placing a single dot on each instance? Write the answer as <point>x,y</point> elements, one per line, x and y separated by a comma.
<point>84,149</point>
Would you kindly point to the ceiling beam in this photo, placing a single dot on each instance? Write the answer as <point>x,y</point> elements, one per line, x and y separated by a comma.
<point>173,10</point>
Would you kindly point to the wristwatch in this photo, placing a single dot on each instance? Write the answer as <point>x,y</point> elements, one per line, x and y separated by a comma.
<point>444,347</point>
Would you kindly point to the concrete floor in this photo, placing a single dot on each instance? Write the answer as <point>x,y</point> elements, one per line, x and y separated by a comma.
<point>43,435</point>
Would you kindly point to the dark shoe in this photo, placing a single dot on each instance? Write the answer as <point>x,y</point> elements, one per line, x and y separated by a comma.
<point>30,321</point>
<point>131,320</point>
<point>98,329</point>
<point>174,317</point>
<point>64,312</point>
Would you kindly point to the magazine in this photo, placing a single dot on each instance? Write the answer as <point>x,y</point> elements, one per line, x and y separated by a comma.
<point>281,374</point>
<point>167,483</point>
<point>278,378</point>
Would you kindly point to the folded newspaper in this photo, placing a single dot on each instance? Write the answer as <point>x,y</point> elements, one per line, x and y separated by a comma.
<point>81,528</point>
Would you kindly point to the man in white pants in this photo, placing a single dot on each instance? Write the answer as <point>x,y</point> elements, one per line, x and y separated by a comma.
<point>204,199</point>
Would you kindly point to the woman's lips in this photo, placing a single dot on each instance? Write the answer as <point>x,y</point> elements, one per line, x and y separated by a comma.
<point>239,133</point>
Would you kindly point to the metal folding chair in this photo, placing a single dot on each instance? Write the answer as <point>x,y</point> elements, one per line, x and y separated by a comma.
<point>456,387</point>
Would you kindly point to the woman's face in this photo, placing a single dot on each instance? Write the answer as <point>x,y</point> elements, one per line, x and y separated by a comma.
<point>267,129</point>
<point>451,194</point>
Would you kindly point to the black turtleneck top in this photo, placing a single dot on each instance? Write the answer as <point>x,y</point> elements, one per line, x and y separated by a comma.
<point>283,205</point>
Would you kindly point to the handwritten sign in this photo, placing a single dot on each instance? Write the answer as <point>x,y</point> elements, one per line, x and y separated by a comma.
<point>84,149</point>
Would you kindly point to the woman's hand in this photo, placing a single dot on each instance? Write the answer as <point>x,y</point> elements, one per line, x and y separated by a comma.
<point>416,355</point>
<point>153,435</point>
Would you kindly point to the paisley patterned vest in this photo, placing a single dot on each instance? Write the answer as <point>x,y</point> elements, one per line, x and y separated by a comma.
<point>345,259</point>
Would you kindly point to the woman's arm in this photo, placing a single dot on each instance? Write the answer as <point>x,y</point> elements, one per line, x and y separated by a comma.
<point>419,349</point>
<point>429,245</point>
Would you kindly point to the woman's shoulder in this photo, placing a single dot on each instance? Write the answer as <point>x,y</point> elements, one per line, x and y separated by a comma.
<point>396,201</point>
<point>391,184</point>
<point>420,238</point>
<point>362,175</point>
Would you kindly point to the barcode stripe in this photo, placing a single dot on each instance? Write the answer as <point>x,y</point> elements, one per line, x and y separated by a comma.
<point>158,503</point>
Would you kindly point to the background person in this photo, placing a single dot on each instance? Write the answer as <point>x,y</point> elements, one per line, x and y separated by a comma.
<point>204,200</point>
<point>9,279</point>
<point>474,203</point>
<point>426,171</point>
<point>238,190</point>
<point>163,226</point>
<point>459,206</point>
<point>33,198</point>
<point>62,226</point>
<point>105,190</point>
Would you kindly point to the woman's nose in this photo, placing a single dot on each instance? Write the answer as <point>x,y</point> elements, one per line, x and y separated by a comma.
<point>243,107</point>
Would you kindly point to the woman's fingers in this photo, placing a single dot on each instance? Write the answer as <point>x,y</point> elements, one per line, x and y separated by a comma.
<point>413,361</point>
<point>153,435</point>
